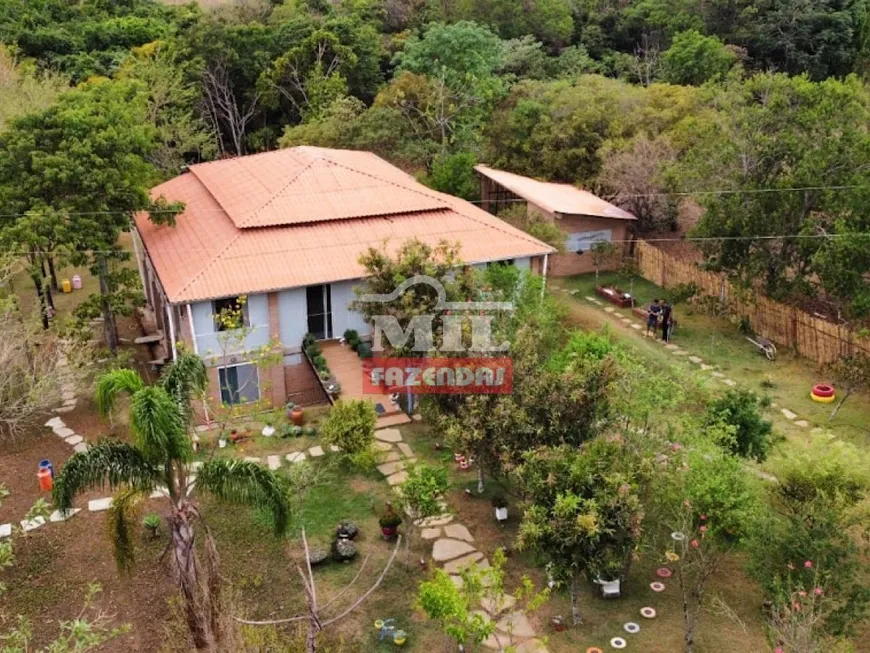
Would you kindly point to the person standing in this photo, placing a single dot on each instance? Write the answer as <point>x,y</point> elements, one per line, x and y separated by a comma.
<point>652,317</point>
<point>667,309</point>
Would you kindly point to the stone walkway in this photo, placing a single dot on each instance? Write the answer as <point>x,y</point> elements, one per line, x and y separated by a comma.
<point>676,350</point>
<point>453,547</point>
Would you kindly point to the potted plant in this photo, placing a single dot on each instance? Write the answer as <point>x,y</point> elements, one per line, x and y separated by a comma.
<point>152,523</point>
<point>389,522</point>
<point>269,429</point>
<point>501,508</point>
<point>346,530</point>
<point>351,337</point>
<point>295,413</point>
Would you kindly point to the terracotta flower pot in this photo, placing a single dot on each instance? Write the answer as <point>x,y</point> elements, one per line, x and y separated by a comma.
<point>296,416</point>
<point>389,532</point>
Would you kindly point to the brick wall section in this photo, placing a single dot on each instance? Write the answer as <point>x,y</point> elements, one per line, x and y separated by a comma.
<point>302,385</point>
<point>272,378</point>
<point>563,265</point>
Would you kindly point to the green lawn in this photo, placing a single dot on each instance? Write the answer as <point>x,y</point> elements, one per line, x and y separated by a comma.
<point>787,380</point>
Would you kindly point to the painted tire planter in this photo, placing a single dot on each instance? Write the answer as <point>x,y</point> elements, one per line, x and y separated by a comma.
<point>657,587</point>
<point>822,400</point>
<point>631,628</point>
<point>823,390</point>
<point>663,572</point>
<point>594,649</point>
<point>618,642</point>
<point>648,613</point>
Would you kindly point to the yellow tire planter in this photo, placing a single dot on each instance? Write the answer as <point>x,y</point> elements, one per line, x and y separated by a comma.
<point>823,400</point>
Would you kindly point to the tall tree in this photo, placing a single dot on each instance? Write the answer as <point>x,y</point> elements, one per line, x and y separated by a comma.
<point>159,459</point>
<point>83,161</point>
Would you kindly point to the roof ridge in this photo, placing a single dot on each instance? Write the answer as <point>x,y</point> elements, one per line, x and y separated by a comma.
<point>435,195</point>
<point>253,214</point>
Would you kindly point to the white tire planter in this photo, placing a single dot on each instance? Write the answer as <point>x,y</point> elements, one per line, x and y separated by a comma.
<point>618,642</point>
<point>631,628</point>
<point>268,431</point>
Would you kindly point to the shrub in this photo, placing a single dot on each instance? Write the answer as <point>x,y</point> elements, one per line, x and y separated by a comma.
<point>739,409</point>
<point>152,523</point>
<point>347,529</point>
<point>317,554</point>
<point>351,337</point>
<point>683,292</point>
<point>350,425</point>
<point>583,345</point>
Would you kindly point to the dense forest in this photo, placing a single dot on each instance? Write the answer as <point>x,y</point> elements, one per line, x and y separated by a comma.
<point>645,101</point>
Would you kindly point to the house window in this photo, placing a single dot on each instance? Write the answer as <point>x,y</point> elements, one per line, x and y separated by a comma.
<point>240,384</point>
<point>230,313</point>
<point>582,241</point>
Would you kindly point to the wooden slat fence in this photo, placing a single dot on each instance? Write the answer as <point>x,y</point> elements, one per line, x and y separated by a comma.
<point>811,337</point>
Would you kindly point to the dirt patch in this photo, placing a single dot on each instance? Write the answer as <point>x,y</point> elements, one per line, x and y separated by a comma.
<point>18,466</point>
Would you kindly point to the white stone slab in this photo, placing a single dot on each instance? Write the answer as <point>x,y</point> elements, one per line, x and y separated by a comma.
<point>63,409</point>
<point>718,375</point>
<point>788,414</point>
<point>706,367</point>
<point>97,505</point>
<point>405,449</point>
<point>274,462</point>
<point>295,457</point>
<point>802,423</point>
<point>251,459</point>
<point>517,624</point>
<point>5,530</point>
<point>69,403</point>
<point>389,456</point>
<point>589,299</point>
<point>609,309</point>
<point>316,451</point>
<point>397,478</point>
<point>440,520</point>
<point>32,524</point>
<point>58,516</point>
<point>671,346</point>
<point>635,326</point>
<point>68,396</point>
<point>496,606</point>
<point>391,468</point>
<point>694,359</point>
<point>729,382</point>
<point>388,435</point>
<point>458,532</point>
<point>73,440</point>
<point>448,549</point>
<point>63,431</point>
<point>430,533</point>
<point>532,646</point>
<point>456,566</point>
<point>335,449</point>
<point>383,446</point>
<point>81,447</point>
<point>55,422</point>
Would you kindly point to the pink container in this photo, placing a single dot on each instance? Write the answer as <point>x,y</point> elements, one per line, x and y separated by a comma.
<point>77,282</point>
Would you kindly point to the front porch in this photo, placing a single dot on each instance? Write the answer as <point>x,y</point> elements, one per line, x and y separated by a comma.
<point>347,368</point>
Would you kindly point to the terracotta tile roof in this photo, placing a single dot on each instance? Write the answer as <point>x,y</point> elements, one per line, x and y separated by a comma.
<point>556,198</point>
<point>304,216</point>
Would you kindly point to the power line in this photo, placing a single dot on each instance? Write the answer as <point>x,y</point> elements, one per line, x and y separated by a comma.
<point>692,193</point>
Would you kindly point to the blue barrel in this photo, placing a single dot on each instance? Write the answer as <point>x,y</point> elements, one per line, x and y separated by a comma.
<point>46,464</point>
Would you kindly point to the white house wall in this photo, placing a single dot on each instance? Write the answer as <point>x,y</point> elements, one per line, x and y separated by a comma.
<point>292,317</point>
<point>209,343</point>
<point>343,317</point>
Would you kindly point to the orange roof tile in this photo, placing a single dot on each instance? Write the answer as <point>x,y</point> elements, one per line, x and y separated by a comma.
<point>304,216</point>
<point>556,198</point>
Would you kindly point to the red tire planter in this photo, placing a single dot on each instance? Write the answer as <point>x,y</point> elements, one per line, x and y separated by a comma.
<point>823,390</point>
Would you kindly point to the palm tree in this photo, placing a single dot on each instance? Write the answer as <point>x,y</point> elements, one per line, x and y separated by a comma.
<point>158,461</point>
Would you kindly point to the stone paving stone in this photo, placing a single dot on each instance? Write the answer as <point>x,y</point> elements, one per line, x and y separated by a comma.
<point>430,533</point>
<point>383,446</point>
<point>58,516</point>
<point>73,440</point>
<point>695,360</point>
<point>67,396</point>
<point>457,580</point>
<point>28,525</point>
<point>718,375</point>
<point>706,367</point>
<point>609,309</point>
<point>447,549</point>
<point>63,431</point>
<point>274,462</point>
<point>391,468</point>
<point>671,346</point>
<point>335,449</point>
<point>729,382</point>
<point>295,457</point>
<point>406,449</point>
<point>455,566</point>
<point>440,520</point>
<point>589,299</point>
<point>625,319</point>
<point>816,430</point>
<point>388,435</point>
<point>251,459</point>
<point>417,417</point>
<point>391,457</point>
<point>788,414</point>
<point>70,403</point>
<point>802,423</point>
<point>680,352</point>
<point>458,532</point>
<point>54,422</point>
<point>494,606</point>
<point>398,477</point>
<point>316,451</point>
<point>496,642</point>
<point>80,447</point>
<point>5,530</point>
<point>634,325</point>
<point>516,623</point>
<point>63,409</point>
<point>96,505</point>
